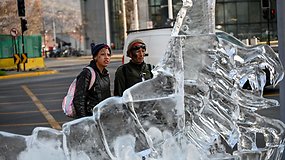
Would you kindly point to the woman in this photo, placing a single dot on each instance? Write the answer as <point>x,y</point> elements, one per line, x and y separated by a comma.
<point>84,99</point>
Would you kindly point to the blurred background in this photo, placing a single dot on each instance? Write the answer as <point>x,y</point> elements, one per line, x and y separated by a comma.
<point>74,24</point>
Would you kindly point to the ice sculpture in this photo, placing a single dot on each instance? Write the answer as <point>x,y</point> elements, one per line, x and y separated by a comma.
<point>193,109</point>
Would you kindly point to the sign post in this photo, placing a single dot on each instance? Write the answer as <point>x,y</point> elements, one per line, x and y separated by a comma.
<point>21,13</point>
<point>14,33</point>
<point>24,28</point>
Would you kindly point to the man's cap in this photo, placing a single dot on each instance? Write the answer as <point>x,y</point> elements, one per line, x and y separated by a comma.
<point>132,44</point>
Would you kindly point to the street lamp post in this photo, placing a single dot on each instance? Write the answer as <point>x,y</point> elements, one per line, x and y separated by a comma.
<point>59,15</point>
<point>78,30</point>
<point>75,39</point>
<point>53,26</point>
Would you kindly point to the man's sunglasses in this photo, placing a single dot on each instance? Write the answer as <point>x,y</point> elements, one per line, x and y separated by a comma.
<point>138,47</point>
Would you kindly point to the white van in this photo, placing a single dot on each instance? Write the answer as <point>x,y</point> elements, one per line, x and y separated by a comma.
<point>156,41</point>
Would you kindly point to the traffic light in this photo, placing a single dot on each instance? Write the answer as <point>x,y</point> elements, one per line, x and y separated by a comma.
<point>24,25</point>
<point>265,3</point>
<point>269,14</point>
<point>21,8</point>
<point>266,13</point>
<point>272,13</point>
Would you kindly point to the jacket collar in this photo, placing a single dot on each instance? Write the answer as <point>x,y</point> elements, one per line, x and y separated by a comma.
<point>93,65</point>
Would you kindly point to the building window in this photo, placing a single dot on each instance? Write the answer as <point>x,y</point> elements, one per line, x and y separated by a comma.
<point>156,15</point>
<point>244,19</point>
<point>116,24</point>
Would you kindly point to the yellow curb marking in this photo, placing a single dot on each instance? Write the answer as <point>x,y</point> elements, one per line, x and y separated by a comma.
<point>28,74</point>
<point>54,124</point>
<point>271,95</point>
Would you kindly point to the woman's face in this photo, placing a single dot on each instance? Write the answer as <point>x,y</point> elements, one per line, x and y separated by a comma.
<point>103,58</point>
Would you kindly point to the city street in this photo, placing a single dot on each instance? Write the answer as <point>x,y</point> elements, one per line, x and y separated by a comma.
<point>26,103</point>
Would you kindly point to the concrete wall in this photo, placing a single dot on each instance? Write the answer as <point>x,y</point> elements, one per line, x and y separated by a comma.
<point>93,17</point>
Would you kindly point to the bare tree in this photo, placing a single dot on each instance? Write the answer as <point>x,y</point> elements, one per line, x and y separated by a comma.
<point>38,14</point>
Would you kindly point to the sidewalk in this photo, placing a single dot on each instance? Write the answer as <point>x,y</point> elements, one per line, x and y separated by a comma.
<point>46,71</point>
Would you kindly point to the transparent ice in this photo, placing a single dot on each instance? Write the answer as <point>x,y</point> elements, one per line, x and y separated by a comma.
<point>193,109</point>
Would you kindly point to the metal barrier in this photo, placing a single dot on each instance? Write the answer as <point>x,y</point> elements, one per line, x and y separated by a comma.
<point>12,56</point>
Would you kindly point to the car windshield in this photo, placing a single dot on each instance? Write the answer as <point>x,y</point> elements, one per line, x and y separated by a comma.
<point>229,38</point>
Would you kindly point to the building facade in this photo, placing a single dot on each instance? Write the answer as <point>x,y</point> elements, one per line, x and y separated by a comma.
<point>245,19</point>
<point>94,26</point>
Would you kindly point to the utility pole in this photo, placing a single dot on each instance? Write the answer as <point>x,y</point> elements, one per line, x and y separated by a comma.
<point>170,10</point>
<point>124,19</point>
<point>108,41</point>
<point>136,15</point>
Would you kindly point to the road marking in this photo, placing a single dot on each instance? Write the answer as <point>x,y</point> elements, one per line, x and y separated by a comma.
<point>54,124</point>
<point>27,102</point>
<point>10,103</point>
<point>25,112</point>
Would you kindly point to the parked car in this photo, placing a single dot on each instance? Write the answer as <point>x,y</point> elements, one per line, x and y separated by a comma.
<point>56,52</point>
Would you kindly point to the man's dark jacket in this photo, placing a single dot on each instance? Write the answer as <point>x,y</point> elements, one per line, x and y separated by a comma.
<point>85,100</point>
<point>129,74</point>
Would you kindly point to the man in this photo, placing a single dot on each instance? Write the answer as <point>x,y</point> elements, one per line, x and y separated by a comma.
<point>133,72</point>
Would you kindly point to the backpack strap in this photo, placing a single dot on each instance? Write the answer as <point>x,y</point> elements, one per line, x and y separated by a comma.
<point>93,76</point>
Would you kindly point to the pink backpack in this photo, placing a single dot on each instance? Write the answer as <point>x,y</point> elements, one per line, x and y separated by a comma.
<point>67,103</point>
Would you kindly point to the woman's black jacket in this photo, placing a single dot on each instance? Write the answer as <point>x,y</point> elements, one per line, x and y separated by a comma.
<point>85,100</point>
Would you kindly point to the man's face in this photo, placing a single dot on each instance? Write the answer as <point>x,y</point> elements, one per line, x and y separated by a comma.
<point>138,53</point>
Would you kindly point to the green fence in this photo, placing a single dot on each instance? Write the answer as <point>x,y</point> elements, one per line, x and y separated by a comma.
<point>32,45</point>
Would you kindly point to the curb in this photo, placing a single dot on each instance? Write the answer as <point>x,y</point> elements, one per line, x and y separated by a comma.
<point>28,74</point>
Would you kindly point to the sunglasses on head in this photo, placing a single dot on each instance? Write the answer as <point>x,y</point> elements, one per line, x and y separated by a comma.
<point>138,47</point>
